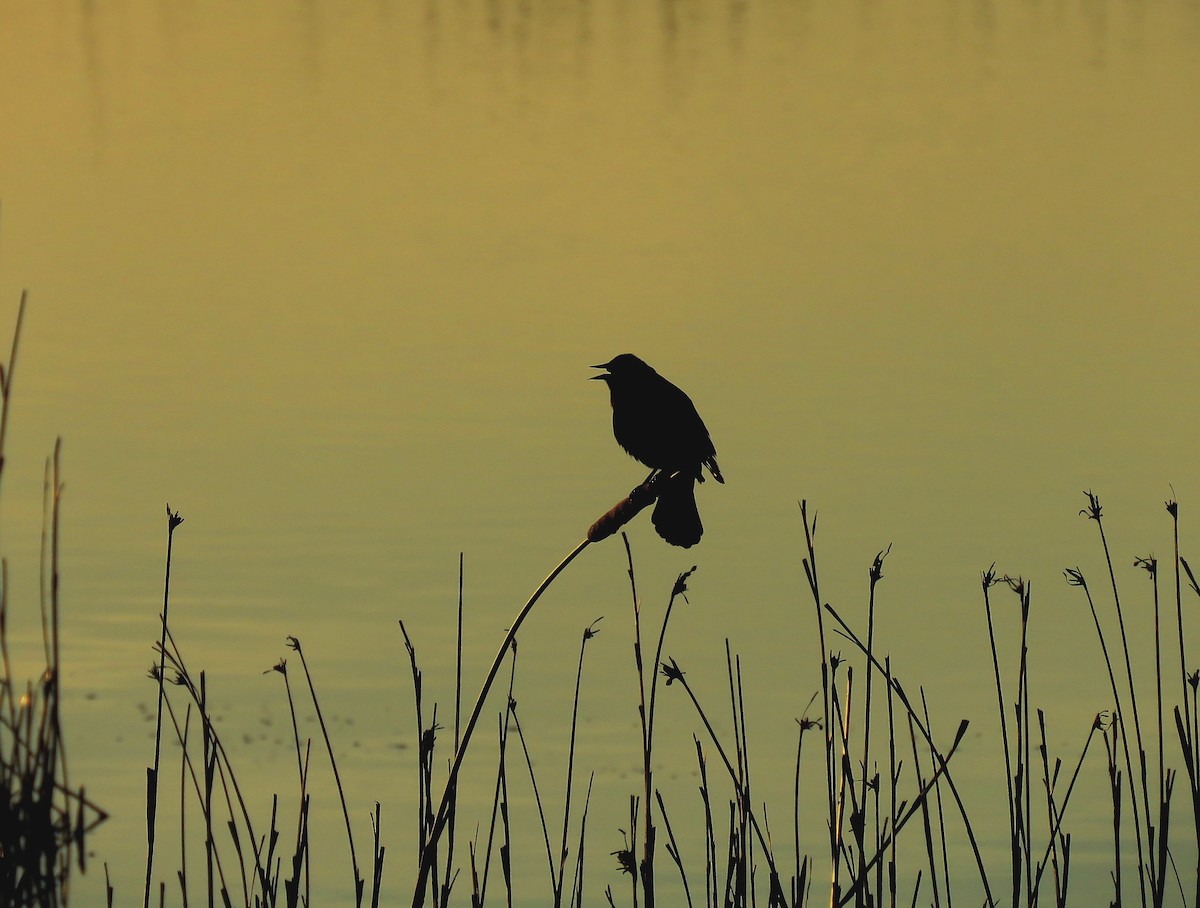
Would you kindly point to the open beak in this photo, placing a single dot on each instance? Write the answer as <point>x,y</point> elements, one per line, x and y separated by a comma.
<point>601,377</point>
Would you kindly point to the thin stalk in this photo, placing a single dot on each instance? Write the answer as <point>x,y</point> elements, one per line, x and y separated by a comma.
<point>631,868</point>
<point>423,796</point>
<point>645,866</point>
<point>894,767</point>
<point>876,574</point>
<point>1025,791</point>
<point>6,377</point>
<point>577,885</point>
<point>1140,811</point>
<point>302,778</point>
<point>806,724</point>
<point>435,831</point>
<point>588,633</point>
<point>941,816</point>
<point>1114,787</point>
<point>378,852</point>
<point>502,773</point>
<point>989,579</point>
<point>673,848</point>
<point>173,521</point>
<point>1048,781</point>
<point>537,797</point>
<point>294,643</point>
<point>811,574</point>
<point>191,769</point>
<point>1186,742</point>
<point>1060,810</point>
<point>1152,567</point>
<point>7,698</point>
<point>209,756</point>
<point>673,673</point>
<point>506,829</point>
<point>942,771</point>
<point>710,842</point>
<point>458,663</point>
<point>744,762</point>
<point>842,717</point>
<point>904,701</point>
<point>183,769</point>
<point>926,823</point>
<point>1158,835</point>
<point>1075,578</point>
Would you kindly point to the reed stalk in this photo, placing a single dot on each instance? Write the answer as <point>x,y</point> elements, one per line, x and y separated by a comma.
<point>173,522</point>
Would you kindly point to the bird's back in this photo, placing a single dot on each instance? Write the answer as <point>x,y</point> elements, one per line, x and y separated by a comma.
<point>657,424</point>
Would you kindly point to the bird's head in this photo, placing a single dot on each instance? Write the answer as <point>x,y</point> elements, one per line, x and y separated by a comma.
<point>621,369</point>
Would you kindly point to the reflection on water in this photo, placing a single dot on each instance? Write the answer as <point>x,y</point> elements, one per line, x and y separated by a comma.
<point>328,279</point>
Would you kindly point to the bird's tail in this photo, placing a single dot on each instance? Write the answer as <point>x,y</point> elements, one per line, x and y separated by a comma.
<point>711,463</point>
<point>675,516</point>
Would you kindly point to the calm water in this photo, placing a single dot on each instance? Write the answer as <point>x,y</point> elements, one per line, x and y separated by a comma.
<point>327,279</point>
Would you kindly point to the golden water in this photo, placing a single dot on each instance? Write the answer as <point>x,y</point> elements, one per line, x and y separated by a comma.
<point>327,279</point>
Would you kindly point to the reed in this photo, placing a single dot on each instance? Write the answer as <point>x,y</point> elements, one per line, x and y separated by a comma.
<point>891,829</point>
<point>44,819</point>
<point>894,812</point>
<point>243,863</point>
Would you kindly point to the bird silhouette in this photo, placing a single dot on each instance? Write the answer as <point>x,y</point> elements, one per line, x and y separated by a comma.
<point>657,424</point>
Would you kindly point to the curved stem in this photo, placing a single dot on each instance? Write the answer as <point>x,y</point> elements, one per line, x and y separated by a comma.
<point>429,849</point>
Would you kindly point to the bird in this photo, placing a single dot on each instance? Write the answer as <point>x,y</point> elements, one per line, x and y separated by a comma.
<point>657,424</point>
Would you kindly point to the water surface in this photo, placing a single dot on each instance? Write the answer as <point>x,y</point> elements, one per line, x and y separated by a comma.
<point>327,279</point>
